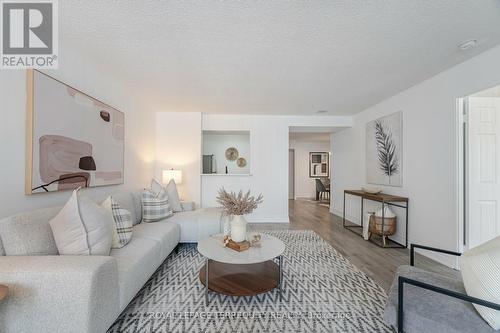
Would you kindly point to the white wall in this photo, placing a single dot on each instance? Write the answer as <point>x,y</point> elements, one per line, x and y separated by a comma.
<point>269,151</point>
<point>217,143</point>
<point>429,157</point>
<point>178,146</point>
<point>77,72</point>
<point>269,143</point>
<point>305,187</point>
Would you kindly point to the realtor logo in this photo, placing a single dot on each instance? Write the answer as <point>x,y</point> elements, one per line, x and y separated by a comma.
<point>29,34</point>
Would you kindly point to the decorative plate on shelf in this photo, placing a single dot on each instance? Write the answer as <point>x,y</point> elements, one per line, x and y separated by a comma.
<point>231,154</point>
<point>241,162</point>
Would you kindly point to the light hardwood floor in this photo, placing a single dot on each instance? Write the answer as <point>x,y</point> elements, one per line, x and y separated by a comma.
<point>379,263</point>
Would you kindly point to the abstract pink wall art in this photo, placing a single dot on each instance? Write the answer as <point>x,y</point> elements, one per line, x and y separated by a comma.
<point>76,140</point>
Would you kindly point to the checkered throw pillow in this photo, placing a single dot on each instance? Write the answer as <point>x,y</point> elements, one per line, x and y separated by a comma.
<point>122,231</point>
<point>155,206</point>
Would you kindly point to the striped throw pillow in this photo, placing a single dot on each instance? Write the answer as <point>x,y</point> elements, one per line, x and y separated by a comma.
<point>155,206</point>
<point>480,267</point>
<point>123,226</point>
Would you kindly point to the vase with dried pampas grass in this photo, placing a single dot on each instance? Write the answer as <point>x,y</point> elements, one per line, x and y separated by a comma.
<point>236,205</point>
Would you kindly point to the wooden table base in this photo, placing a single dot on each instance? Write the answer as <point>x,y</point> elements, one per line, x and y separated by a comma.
<point>4,291</point>
<point>241,280</point>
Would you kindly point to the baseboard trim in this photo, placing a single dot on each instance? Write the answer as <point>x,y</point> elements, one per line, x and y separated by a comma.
<point>284,219</point>
<point>304,198</point>
<point>350,218</point>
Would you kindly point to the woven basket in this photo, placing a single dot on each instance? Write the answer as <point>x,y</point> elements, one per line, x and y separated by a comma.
<point>375,225</point>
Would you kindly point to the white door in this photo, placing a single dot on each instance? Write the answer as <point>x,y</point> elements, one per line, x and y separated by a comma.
<point>484,169</point>
<point>291,174</point>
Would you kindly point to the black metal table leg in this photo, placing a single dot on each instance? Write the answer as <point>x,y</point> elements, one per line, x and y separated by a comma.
<point>362,209</point>
<point>280,258</point>
<point>383,219</point>
<point>406,239</point>
<point>343,214</point>
<point>206,281</point>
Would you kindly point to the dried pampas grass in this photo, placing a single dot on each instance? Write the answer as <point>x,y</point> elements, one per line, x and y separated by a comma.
<point>238,204</point>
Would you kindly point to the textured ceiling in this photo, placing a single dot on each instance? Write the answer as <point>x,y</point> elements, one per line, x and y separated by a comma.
<point>274,57</point>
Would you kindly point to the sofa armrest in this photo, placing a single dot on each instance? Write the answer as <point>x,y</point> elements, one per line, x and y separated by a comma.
<point>451,293</point>
<point>188,206</point>
<point>423,247</point>
<point>59,293</point>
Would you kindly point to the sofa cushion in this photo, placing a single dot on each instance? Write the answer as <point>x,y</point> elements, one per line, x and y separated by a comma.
<point>164,232</point>
<point>155,206</point>
<point>82,227</point>
<point>130,201</point>
<point>136,263</point>
<point>173,196</point>
<point>122,227</point>
<point>428,311</point>
<point>188,205</point>
<point>28,233</point>
<point>188,223</point>
<point>172,193</point>
<point>480,267</point>
<point>137,196</point>
<point>198,224</point>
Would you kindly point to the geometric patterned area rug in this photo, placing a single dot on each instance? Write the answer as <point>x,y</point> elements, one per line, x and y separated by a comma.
<point>322,292</point>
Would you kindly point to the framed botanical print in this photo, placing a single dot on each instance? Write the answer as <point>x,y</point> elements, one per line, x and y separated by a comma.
<point>384,150</point>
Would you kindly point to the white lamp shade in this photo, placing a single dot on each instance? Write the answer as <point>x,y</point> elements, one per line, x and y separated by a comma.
<point>176,175</point>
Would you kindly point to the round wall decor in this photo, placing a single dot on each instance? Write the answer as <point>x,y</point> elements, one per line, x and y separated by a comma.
<point>241,162</point>
<point>231,154</point>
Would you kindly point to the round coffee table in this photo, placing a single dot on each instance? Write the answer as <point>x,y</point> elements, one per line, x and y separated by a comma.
<point>245,273</point>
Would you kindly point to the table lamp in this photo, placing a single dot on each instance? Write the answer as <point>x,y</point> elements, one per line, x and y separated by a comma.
<point>176,175</point>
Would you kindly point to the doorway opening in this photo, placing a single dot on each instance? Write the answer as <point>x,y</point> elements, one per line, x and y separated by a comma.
<point>309,170</point>
<point>291,174</point>
<point>479,167</point>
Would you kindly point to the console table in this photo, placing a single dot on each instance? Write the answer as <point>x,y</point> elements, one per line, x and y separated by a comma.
<point>384,199</point>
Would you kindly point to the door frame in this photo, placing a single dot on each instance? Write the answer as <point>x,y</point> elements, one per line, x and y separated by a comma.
<point>460,119</point>
<point>461,168</point>
<point>463,174</point>
<point>291,150</point>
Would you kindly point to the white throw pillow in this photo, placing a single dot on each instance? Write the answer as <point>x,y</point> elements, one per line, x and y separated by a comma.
<point>172,193</point>
<point>480,268</point>
<point>82,228</point>
<point>156,186</point>
<point>122,226</point>
<point>155,206</point>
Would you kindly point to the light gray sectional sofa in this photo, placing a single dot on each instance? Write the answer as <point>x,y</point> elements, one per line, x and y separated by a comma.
<point>53,293</point>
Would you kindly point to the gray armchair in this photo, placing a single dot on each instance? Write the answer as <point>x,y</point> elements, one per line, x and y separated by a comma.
<point>423,301</point>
